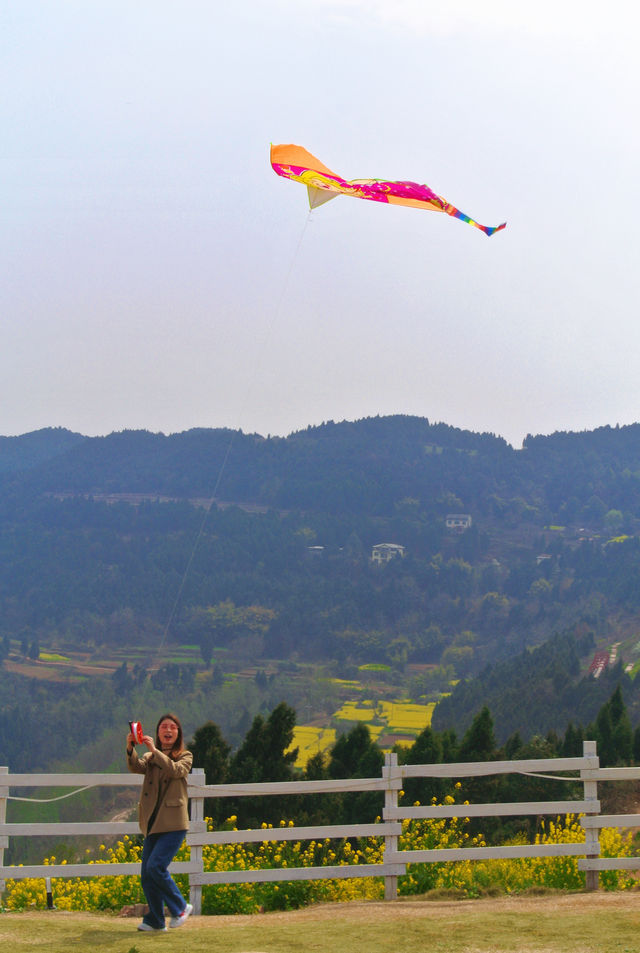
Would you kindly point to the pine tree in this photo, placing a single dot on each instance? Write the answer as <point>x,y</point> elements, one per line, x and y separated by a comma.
<point>479,744</point>
<point>211,752</point>
<point>264,756</point>
<point>356,755</point>
<point>622,733</point>
<point>513,746</point>
<point>604,736</point>
<point>571,746</point>
<point>426,749</point>
<point>613,732</point>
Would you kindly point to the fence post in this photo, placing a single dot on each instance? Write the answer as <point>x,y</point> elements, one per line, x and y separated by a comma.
<point>592,834</point>
<point>197,824</point>
<point>390,841</point>
<point>4,840</point>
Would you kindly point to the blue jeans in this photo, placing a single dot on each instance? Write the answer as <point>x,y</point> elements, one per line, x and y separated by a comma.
<point>157,853</point>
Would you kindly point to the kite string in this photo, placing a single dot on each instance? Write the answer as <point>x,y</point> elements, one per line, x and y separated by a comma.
<point>261,350</point>
<point>259,355</point>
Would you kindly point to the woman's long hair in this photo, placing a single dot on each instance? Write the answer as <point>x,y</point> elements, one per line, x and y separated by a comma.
<point>178,747</point>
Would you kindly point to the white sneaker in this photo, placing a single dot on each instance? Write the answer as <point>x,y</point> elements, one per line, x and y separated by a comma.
<point>182,919</point>
<point>145,928</point>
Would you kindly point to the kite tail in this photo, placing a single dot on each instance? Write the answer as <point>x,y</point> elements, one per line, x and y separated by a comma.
<point>488,230</point>
<point>456,213</point>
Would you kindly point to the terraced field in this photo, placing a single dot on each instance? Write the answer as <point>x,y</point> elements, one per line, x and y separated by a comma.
<point>388,722</point>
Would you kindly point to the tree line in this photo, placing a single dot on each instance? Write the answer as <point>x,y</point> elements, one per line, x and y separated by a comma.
<point>266,754</point>
<point>359,467</point>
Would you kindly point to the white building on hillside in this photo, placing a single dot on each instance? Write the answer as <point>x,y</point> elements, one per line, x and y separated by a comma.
<point>458,521</point>
<point>384,552</point>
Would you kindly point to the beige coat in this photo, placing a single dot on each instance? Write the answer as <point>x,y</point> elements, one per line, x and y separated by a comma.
<point>165,783</point>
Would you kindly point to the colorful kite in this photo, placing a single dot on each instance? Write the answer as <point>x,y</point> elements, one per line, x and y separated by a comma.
<point>294,162</point>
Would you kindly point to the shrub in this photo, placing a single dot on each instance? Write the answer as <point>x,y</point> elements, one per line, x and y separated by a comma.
<point>461,878</point>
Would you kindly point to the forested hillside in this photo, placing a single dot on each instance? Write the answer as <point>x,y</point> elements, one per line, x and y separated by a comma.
<point>365,467</point>
<point>539,690</point>
<point>18,454</point>
<point>105,542</point>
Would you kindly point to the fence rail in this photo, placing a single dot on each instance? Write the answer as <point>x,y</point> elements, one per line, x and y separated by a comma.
<point>585,770</point>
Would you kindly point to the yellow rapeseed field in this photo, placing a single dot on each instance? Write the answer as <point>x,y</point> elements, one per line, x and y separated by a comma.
<point>310,741</point>
<point>396,717</point>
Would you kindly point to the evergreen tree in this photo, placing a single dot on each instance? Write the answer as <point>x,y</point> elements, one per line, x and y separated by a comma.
<point>604,736</point>
<point>479,744</point>
<point>264,756</point>
<point>572,744</point>
<point>316,809</point>
<point>623,740</point>
<point>449,746</point>
<point>617,706</point>
<point>426,749</point>
<point>512,747</point>
<point>621,725</point>
<point>211,752</point>
<point>316,769</point>
<point>613,732</point>
<point>356,755</point>
<point>351,752</point>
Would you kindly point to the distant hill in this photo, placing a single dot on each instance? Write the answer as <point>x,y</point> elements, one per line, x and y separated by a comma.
<point>100,543</point>
<point>367,466</point>
<point>18,454</point>
<point>363,466</point>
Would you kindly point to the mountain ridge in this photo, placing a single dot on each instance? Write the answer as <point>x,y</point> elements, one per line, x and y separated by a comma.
<point>99,544</point>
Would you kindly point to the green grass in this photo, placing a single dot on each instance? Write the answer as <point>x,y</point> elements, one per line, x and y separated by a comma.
<point>554,923</point>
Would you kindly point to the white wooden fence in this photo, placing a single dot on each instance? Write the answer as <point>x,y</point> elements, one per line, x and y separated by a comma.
<point>586,770</point>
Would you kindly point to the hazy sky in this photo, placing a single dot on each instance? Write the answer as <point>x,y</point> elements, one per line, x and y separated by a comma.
<point>156,274</point>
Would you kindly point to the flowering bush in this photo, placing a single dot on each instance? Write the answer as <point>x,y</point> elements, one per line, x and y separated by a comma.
<point>471,878</point>
<point>249,897</point>
<point>114,892</point>
<point>84,893</point>
<point>435,834</point>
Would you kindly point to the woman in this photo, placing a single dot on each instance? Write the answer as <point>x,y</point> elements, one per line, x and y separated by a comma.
<point>163,818</point>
